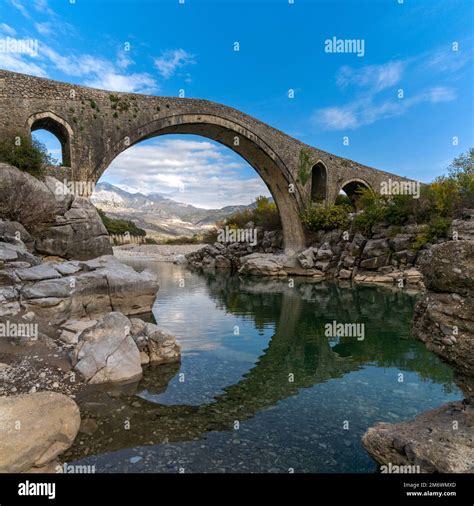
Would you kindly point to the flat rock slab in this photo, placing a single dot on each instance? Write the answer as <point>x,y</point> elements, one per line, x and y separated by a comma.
<point>38,273</point>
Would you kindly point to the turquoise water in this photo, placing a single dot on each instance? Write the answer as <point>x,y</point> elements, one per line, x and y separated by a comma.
<point>261,387</point>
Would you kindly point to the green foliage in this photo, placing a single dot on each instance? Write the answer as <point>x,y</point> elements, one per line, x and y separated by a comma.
<point>264,215</point>
<point>118,103</point>
<point>26,154</point>
<point>438,203</point>
<point>210,236</point>
<point>320,217</point>
<point>374,209</point>
<point>342,199</point>
<point>436,229</point>
<point>304,167</point>
<point>120,227</point>
<point>183,240</point>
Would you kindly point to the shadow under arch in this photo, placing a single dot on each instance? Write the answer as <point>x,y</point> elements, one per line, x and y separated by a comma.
<point>245,143</point>
<point>319,182</point>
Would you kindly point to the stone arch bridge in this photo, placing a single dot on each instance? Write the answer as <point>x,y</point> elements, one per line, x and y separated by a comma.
<point>94,126</point>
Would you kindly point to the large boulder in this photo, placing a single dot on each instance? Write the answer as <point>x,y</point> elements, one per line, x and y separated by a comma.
<point>437,441</point>
<point>449,267</point>
<point>306,258</point>
<point>35,429</point>
<point>376,254</point>
<point>263,264</point>
<point>444,322</point>
<point>77,234</point>
<point>375,248</point>
<point>73,231</point>
<point>106,351</point>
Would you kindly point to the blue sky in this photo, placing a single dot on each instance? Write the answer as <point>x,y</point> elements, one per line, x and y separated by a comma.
<point>190,46</point>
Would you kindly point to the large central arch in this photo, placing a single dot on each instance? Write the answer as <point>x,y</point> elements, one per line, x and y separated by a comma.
<point>239,139</point>
<point>94,126</point>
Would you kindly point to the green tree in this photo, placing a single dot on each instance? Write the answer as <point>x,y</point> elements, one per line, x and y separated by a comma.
<point>26,154</point>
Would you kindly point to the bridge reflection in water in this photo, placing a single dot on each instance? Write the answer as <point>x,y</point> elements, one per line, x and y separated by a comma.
<point>298,356</point>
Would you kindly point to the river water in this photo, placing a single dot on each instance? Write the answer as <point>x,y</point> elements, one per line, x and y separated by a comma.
<point>262,387</point>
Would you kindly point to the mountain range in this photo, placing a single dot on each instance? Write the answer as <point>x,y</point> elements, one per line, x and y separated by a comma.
<point>160,216</point>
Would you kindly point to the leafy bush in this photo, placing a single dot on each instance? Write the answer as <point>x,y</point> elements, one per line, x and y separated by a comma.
<point>120,227</point>
<point>264,215</point>
<point>26,154</point>
<point>342,199</point>
<point>438,204</point>
<point>436,229</point>
<point>319,217</point>
<point>210,236</point>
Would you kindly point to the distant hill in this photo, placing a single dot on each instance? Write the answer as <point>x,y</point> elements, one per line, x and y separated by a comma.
<point>160,216</point>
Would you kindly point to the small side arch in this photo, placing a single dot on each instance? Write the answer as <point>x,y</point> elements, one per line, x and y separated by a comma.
<point>56,125</point>
<point>319,178</point>
<point>352,189</point>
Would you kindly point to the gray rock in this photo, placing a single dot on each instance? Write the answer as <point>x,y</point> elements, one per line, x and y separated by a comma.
<point>261,264</point>
<point>78,234</point>
<point>15,233</point>
<point>464,227</point>
<point>324,252</point>
<point>106,352</point>
<point>449,267</point>
<point>401,242</point>
<point>38,273</point>
<point>48,424</point>
<point>221,262</point>
<point>429,441</point>
<point>375,248</point>
<point>306,258</point>
<point>375,262</point>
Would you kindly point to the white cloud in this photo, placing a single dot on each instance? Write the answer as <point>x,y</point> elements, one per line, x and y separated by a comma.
<point>448,61</point>
<point>130,83</point>
<point>99,72</point>
<point>9,30</point>
<point>43,7</point>
<point>18,4</point>
<point>365,111</point>
<point>171,60</point>
<point>22,63</point>
<point>193,172</point>
<point>373,77</point>
<point>44,28</point>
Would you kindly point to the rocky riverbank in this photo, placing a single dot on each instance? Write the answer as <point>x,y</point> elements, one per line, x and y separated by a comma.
<point>441,440</point>
<point>69,320</point>
<point>65,327</point>
<point>389,255</point>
